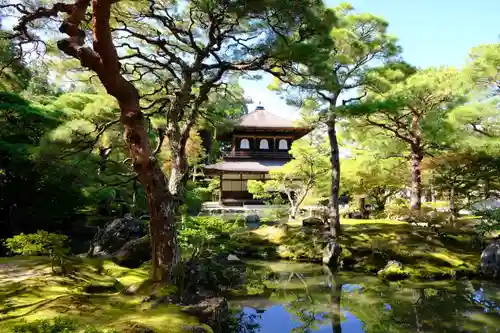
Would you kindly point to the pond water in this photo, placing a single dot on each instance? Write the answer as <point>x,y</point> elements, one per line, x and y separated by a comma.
<point>302,298</point>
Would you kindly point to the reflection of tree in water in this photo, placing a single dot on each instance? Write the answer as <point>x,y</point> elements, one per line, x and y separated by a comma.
<point>336,298</point>
<point>448,307</point>
<point>245,323</point>
<point>315,306</point>
<point>315,300</point>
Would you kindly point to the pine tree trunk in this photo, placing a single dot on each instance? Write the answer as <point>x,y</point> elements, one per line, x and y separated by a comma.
<point>162,205</point>
<point>428,195</point>
<point>416,178</point>
<point>453,208</point>
<point>486,189</point>
<point>103,59</point>
<point>362,207</point>
<point>335,181</point>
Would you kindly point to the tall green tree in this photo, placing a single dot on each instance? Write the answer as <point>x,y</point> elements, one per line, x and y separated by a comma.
<point>14,74</point>
<point>483,67</point>
<point>335,75</point>
<point>414,111</point>
<point>166,57</point>
<point>373,177</point>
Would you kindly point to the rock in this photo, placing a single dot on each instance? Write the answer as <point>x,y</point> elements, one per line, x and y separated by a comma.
<point>232,257</point>
<point>312,221</point>
<point>133,253</point>
<point>393,271</point>
<point>132,289</point>
<point>490,260</point>
<point>331,253</point>
<point>138,328</point>
<point>115,234</point>
<point>195,329</point>
<point>212,311</point>
<point>252,221</point>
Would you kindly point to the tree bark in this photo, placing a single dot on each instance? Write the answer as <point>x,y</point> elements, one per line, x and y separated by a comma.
<point>486,188</point>
<point>416,177</point>
<point>295,204</point>
<point>428,194</point>
<point>335,180</point>
<point>453,208</point>
<point>362,206</point>
<point>161,204</point>
<point>103,60</point>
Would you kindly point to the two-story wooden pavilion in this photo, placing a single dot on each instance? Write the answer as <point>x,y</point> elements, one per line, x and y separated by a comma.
<point>259,142</point>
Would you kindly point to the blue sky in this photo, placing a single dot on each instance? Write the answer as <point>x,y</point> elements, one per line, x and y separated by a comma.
<point>431,32</point>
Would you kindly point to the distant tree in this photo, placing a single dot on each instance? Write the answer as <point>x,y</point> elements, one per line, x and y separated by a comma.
<point>373,177</point>
<point>14,74</point>
<point>483,67</point>
<point>462,175</point>
<point>296,178</point>
<point>35,189</point>
<point>413,109</point>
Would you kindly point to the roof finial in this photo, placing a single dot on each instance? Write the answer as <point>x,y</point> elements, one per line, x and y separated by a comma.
<point>259,107</point>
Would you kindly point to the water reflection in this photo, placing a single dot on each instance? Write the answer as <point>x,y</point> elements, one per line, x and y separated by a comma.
<point>308,298</point>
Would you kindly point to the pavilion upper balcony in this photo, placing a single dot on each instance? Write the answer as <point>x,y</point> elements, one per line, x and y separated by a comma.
<point>256,155</point>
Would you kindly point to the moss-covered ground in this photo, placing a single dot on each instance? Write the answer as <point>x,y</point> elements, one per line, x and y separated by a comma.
<point>94,294</point>
<point>370,244</point>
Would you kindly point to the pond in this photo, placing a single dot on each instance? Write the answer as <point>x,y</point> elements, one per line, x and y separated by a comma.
<point>302,298</point>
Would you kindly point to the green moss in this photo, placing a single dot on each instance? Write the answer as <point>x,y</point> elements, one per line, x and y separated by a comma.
<point>394,273</point>
<point>369,244</point>
<point>29,292</point>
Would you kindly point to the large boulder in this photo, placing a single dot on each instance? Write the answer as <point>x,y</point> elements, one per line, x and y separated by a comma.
<point>212,311</point>
<point>115,234</point>
<point>490,260</point>
<point>252,221</point>
<point>312,221</point>
<point>133,253</point>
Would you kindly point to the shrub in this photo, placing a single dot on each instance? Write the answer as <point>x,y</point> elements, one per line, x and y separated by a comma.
<point>194,198</point>
<point>41,243</point>
<point>489,222</point>
<point>205,233</point>
<point>57,325</point>
<point>424,215</point>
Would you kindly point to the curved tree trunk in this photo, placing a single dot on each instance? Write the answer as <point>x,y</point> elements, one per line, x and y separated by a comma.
<point>335,181</point>
<point>103,60</point>
<point>161,204</point>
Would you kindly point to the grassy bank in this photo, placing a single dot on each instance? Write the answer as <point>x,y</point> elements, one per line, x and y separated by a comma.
<point>92,295</point>
<point>370,244</point>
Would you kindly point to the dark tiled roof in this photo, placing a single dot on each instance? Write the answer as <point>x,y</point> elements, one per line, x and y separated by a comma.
<point>242,166</point>
<point>260,118</point>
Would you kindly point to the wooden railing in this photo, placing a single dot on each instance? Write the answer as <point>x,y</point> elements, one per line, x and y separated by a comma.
<point>257,154</point>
